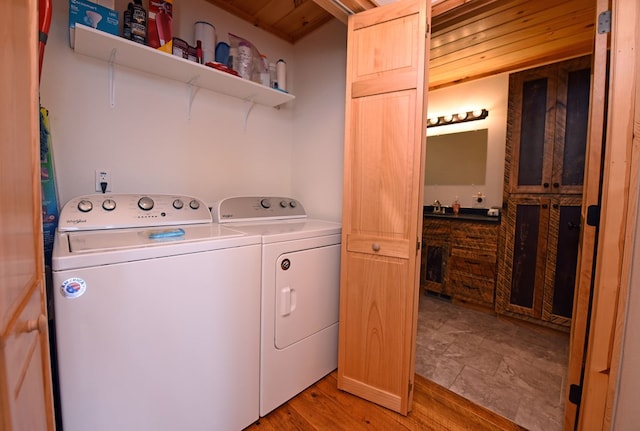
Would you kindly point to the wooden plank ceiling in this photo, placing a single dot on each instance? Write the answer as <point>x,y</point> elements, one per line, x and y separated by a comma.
<point>470,39</point>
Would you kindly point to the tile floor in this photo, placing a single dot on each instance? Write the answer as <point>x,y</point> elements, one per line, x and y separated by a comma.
<point>514,370</point>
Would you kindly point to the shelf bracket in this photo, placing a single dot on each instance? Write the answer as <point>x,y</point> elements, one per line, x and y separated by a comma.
<point>112,85</point>
<point>248,104</point>
<point>193,90</point>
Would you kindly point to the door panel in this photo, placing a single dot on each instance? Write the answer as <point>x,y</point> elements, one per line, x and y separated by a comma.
<point>26,401</point>
<point>385,123</point>
<point>382,167</point>
<point>378,307</point>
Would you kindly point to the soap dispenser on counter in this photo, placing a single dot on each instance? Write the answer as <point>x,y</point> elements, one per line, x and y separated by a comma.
<point>456,206</point>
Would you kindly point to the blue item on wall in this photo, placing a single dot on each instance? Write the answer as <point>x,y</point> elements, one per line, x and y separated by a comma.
<point>48,186</point>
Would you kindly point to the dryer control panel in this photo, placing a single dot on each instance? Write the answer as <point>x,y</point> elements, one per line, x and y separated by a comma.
<point>257,208</point>
<point>114,211</point>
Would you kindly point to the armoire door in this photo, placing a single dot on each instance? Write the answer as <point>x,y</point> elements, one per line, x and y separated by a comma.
<point>25,374</point>
<point>387,57</point>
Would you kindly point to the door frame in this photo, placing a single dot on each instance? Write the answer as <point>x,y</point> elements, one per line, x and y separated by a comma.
<point>618,216</point>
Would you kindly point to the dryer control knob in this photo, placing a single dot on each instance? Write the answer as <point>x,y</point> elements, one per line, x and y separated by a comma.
<point>194,204</point>
<point>85,206</point>
<point>178,204</point>
<point>293,204</point>
<point>145,203</point>
<point>264,203</point>
<point>109,204</point>
<point>283,204</point>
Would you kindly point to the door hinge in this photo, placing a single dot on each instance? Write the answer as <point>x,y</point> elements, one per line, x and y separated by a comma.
<point>593,215</point>
<point>575,394</point>
<point>418,245</point>
<point>410,387</point>
<point>604,22</point>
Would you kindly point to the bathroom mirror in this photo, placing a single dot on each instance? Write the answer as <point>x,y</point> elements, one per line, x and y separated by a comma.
<point>456,158</point>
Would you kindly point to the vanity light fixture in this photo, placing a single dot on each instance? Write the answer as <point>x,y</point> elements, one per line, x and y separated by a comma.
<point>462,117</point>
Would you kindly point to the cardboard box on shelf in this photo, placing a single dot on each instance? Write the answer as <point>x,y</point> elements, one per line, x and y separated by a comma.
<point>160,25</point>
<point>92,15</point>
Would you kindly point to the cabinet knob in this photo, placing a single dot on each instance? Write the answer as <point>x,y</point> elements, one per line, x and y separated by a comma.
<point>545,185</point>
<point>556,206</point>
<point>375,246</point>
<point>556,185</point>
<point>545,206</point>
<point>39,324</point>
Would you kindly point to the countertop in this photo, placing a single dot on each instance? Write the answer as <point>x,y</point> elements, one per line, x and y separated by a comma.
<point>472,214</point>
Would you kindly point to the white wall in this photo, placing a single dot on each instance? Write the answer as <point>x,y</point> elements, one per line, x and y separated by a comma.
<point>318,126</point>
<point>146,141</point>
<point>492,94</point>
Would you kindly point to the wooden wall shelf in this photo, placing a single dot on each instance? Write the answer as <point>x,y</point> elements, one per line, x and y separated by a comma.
<point>117,50</point>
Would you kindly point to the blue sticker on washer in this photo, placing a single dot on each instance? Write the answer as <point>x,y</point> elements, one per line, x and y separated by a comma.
<point>73,287</point>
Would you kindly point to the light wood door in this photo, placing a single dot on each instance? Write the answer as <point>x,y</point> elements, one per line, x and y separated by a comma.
<point>25,388</point>
<point>385,124</point>
<point>591,196</point>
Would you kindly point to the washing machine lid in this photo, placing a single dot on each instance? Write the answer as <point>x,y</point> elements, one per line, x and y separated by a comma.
<point>101,247</point>
<point>114,239</point>
<point>288,230</point>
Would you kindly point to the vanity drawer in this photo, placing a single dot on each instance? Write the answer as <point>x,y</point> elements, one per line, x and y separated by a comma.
<point>474,289</point>
<point>474,263</point>
<point>476,236</point>
<point>436,229</point>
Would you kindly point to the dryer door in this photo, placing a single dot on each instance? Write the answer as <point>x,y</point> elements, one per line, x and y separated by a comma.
<point>307,293</point>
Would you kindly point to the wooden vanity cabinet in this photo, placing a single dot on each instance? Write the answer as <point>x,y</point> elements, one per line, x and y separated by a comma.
<point>544,173</point>
<point>547,136</point>
<point>473,262</point>
<point>538,274</point>
<point>435,253</point>
<point>459,259</point>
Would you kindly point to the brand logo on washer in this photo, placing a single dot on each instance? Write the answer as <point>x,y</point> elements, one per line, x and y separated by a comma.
<point>285,264</point>
<point>76,220</point>
<point>73,287</point>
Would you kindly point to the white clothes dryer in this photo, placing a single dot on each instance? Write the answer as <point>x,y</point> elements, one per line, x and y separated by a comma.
<point>300,292</point>
<point>156,313</point>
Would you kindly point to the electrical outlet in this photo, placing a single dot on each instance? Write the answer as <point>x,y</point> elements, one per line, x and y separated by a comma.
<point>103,176</point>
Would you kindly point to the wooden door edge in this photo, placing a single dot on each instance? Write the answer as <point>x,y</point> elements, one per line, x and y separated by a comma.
<point>618,218</point>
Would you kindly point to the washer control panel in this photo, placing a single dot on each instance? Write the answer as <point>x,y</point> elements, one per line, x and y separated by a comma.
<point>257,208</point>
<point>114,211</point>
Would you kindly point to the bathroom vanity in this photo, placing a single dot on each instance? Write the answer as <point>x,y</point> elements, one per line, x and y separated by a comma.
<point>459,256</point>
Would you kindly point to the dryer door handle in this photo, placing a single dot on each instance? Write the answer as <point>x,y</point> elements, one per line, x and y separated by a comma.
<point>287,301</point>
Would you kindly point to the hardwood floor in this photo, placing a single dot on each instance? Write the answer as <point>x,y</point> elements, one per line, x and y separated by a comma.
<point>324,407</point>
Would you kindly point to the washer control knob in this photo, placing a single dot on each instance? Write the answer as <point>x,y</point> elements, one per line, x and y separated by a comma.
<point>109,204</point>
<point>145,203</point>
<point>85,206</point>
<point>264,203</point>
<point>194,204</point>
<point>293,204</point>
<point>283,204</point>
<point>178,204</point>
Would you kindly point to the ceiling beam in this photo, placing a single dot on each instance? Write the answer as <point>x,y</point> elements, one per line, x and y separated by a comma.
<point>335,10</point>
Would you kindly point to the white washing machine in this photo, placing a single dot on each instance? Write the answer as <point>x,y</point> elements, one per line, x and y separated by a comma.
<point>156,311</point>
<point>300,292</point>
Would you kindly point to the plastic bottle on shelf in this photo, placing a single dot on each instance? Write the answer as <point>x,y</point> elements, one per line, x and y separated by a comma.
<point>126,27</point>
<point>264,71</point>
<point>273,80</point>
<point>281,75</point>
<point>139,23</point>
